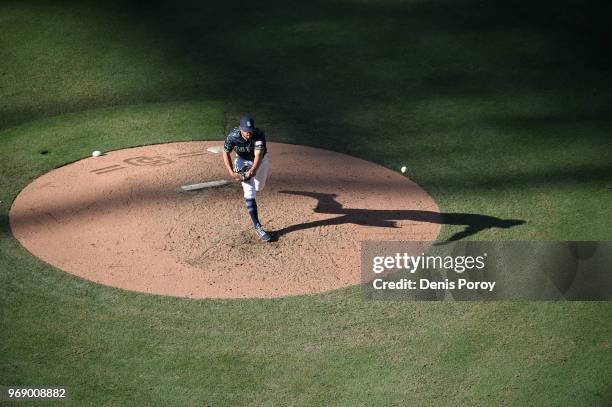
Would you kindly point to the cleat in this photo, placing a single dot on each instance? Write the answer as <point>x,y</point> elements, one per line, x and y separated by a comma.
<point>263,235</point>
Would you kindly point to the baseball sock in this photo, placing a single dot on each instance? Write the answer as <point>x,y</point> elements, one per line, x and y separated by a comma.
<point>252,208</point>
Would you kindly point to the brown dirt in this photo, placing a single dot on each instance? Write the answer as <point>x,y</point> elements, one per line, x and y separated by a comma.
<point>118,220</point>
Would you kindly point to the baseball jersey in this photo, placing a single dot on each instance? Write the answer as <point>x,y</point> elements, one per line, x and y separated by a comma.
<point>245,149</point>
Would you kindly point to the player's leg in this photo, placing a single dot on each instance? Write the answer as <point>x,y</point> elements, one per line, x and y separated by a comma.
<point>259,180</point>
<point>250,193</point>
<point>251,204</point>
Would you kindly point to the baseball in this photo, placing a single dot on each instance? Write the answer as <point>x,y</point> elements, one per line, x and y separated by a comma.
<point>96,153</point>
<point>403,169</point>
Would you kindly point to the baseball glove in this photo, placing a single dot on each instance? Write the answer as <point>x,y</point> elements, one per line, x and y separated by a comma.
<point>242,173</point>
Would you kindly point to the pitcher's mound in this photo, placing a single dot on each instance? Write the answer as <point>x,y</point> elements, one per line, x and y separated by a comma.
<point>122,220</point>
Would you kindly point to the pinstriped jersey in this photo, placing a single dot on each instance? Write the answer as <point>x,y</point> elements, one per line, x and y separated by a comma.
<point>245,149</point>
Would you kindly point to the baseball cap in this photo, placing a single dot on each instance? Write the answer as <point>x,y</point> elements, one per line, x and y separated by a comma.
<point>247,124</point>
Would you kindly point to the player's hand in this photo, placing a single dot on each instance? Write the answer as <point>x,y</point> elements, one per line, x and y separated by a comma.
<point>251,173</point>
<point>235,176</point>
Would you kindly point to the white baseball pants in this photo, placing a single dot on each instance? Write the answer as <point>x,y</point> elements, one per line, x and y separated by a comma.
<point>258,182</point>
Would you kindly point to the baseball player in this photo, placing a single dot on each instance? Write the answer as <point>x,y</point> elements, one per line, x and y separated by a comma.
<point>250,166</point>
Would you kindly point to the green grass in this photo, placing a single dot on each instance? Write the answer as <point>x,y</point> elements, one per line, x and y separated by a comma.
<point>496,109</point>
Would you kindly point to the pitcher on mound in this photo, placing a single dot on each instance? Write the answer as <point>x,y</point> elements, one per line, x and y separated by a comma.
<point>250,166</point>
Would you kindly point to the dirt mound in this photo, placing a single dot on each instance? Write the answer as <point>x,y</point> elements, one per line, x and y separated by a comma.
<point>120,220</point>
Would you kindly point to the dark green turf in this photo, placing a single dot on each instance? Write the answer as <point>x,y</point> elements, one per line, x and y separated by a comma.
<point>496,109</point>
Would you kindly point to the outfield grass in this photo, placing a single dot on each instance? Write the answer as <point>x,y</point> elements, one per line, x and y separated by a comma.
<point>496,109</point>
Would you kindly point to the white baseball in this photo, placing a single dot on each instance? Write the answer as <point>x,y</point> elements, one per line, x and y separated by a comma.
<point>96,153</point>
<point>403,169</point>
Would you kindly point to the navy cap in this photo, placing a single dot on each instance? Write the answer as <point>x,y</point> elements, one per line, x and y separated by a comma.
<point>247,124</point>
